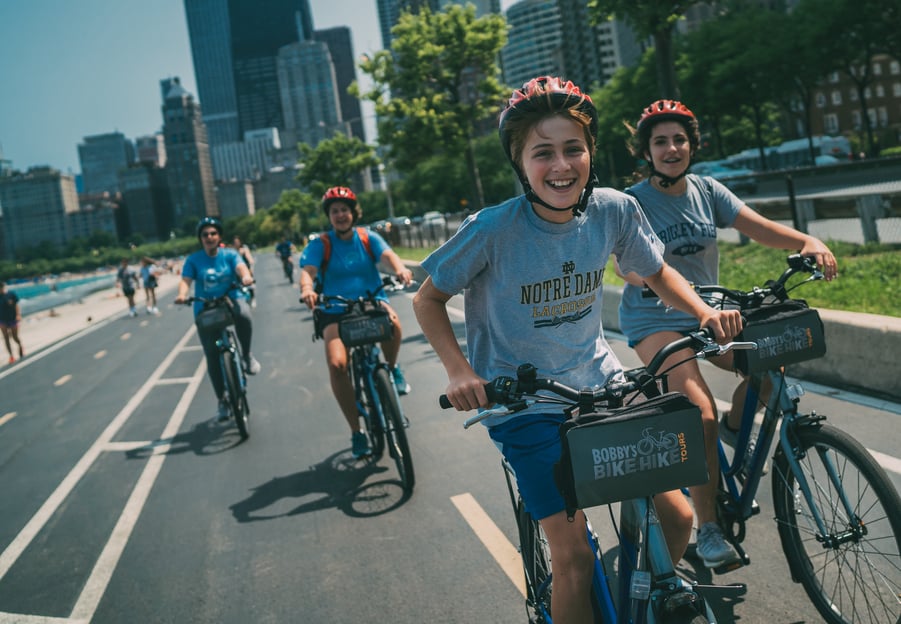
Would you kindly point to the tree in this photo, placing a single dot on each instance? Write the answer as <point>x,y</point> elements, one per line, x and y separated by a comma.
<point>333,162</point>
<point>650,18</point>
<point>435,86</point>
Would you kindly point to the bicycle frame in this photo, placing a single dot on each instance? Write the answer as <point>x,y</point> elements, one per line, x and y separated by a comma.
<point>364,362</point>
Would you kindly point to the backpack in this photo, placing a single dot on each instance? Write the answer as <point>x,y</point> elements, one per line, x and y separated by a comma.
<point>362,232</point>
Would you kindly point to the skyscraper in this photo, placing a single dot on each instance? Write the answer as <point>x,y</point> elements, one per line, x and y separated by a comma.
<point>308,92</point>
<point>390,10</point>
<point>340,47</point>
<point>101,157</point>
<point>533,44</point>
<point>188,165</point>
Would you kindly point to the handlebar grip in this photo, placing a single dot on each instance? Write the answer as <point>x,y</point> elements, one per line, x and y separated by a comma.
<point>444,402</point>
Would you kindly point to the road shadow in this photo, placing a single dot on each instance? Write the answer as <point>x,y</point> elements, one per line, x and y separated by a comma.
<point>341,482</point>
<point>205,438</point>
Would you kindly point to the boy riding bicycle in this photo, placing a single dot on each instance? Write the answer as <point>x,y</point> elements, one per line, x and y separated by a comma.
<point>532,268</point>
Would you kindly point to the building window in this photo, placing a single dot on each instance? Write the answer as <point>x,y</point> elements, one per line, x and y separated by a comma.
<point>837,97</point>
<point>833,77</point>
<point>877,69</point>
<point>855,120</point>
<point>896,89</point>
<point>830,123</point>
<point>894,68</point>
<point>852,95</point>
<point>820,100</point>
<point>880,90</point>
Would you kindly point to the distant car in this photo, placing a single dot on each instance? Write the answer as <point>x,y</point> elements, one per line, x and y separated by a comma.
<point>399,221</point>
<point>433,218</point>
<point>734,178</point>
<point>826,159</point>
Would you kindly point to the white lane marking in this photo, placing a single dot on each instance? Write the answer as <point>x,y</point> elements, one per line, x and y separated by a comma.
<point>15,549</point>
<point>125,336</point>
<point>100,354</point>
<point>31,359</point>
<point>492,537</point>
<point>127,446</point>
<point>62,380</point>
<point>169,381</point>
<point>106,564</point>
<point>7,417</point>
<point>19,618</point>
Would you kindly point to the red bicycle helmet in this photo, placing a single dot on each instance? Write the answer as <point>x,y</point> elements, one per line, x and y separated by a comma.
<point>548,94</point>
<point>338,193</point>
<point>665,109</point>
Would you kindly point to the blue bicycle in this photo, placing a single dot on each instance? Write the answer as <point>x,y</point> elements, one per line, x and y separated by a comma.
<point>364,324</point>
<point>650,591</point>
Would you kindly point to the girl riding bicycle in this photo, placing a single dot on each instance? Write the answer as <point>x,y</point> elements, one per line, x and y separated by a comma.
<point>685,210</point>
<point>532,268</point>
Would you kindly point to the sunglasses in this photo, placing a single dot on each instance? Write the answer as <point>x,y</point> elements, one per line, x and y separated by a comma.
<point>209,233</point>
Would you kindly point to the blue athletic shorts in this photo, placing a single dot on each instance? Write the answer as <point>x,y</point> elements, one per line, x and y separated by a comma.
<point>531,444</point>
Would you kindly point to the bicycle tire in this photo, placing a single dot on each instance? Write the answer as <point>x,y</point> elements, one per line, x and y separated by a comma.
<point>858,580</point>
<point>235,393</point>
<point>371,424</point>
<point>395,431</point>
<point>536,561</point>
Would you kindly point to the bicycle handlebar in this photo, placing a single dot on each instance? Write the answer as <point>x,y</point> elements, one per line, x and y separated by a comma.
<point>235,286</point>
<point>516,394</point>
<point>327,301</point>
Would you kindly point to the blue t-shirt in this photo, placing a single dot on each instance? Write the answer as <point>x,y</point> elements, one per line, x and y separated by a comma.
<point>687,226</point>
<point>213,276</point>
<point>8,302</point>
<point>351,271</point>
<point>533,289</point>
<point>284,249</point>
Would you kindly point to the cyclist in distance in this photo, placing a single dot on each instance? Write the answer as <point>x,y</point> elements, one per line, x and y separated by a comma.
<point>213,270</point>
<point>350,272</point>
<point>532,268</point>
<point>285,250</point>
<point>244,251</point>
<point>685,211</point>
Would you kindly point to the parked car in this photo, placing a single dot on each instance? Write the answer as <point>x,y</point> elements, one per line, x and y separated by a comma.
<point>434,219</point>
<point>736,179</point>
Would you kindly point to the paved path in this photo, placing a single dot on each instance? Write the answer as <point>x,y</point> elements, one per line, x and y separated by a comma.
<point>42,329</point>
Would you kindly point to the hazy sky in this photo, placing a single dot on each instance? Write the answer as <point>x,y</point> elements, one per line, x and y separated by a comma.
<point>74,68</point>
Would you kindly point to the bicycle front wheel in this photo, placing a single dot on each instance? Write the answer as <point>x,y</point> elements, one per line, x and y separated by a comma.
<point>395,432</point>
<point>852,573</point>
<point>236,396</point>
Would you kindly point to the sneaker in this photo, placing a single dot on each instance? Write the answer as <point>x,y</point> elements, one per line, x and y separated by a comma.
<point>359,444</point>
<point>728,435</point>
<point>399,382</point>
<point>712,548</point>
<point>149,310</point>
<point>224,411</point>
<point>251,366</point>
<point>12,360</point>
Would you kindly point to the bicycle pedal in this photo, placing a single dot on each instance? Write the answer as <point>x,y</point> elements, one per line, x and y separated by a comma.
<point>729,566</point>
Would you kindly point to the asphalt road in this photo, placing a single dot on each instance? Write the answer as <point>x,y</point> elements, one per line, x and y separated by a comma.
<point>123,503</point>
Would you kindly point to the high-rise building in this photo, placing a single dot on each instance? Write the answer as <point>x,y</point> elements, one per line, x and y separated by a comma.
<point>340,47</point>
<point>309,93</point>
<point>247,159</point>
<point>151,149</point>
<point>209,28</point>
<point>533,43</point>
<point>483,7</point>
<point>36,205</point>
<point>146,201</point>
<point>101,157</point>
<point>390,10</point>
<point>188,166</point>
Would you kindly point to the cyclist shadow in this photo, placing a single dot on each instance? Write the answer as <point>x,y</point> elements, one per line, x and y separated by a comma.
<point>341,481</point>
<point>205,438</point>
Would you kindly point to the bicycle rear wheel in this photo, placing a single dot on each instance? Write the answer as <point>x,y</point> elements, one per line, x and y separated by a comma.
<point>853,573</point>
<point>536,561</point>
<point>395,434</point>
<point>236,395</point>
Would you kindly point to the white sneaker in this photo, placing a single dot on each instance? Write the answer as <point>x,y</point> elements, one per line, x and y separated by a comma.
<point>223,411</point>
<point>712,547</point>
<point>251,366</point>
<point>132,313</point>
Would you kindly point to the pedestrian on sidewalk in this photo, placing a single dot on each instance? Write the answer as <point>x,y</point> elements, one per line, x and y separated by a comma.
<point>128,281</point>
<point>10,317</point>
<point>149,274</point>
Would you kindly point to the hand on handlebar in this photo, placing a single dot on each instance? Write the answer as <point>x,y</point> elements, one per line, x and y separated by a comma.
<point>467,392</point>
<point>725,324</point>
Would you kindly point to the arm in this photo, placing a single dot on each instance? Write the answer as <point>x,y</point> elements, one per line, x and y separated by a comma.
<point>631,277</point>
<point>397,265</point>
<point>776,235</point>
<point>305,281</point>
<point>244,273</point>
<point>672,288</point>
<point>184,287</point>
<point>465,388</point>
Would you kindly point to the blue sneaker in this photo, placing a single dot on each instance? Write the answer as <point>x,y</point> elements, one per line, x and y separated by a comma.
<point>399,382</point>
<point>359,445</point>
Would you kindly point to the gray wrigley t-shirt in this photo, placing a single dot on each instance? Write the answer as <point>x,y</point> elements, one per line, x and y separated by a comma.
<point>533,288</point>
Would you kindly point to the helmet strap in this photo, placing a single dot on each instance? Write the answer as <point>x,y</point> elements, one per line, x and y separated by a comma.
<point>665,180</point>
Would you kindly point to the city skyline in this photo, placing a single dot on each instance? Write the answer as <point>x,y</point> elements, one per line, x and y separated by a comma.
<point>93,67</point>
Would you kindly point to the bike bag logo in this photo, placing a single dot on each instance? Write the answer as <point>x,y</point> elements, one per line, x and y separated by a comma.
<point>642,450</point>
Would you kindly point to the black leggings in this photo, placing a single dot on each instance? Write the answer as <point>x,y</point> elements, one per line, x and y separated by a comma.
<point>244,330</point>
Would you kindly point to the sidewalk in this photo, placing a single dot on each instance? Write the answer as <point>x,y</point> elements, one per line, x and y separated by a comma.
<point>42,329</point>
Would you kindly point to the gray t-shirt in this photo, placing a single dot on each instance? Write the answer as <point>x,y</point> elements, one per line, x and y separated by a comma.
<point>533,288</point>
<point>687,226</point>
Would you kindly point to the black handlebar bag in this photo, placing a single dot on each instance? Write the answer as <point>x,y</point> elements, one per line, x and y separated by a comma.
<point>631,452</point>
<point>786,333</point>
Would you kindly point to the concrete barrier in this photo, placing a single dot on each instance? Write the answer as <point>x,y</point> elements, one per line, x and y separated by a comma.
<point>863,351</point>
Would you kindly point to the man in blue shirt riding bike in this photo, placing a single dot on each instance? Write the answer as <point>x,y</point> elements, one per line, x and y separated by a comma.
<point>214,270</point>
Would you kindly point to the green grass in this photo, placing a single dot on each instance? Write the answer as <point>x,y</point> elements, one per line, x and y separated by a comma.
<point>869,278</point>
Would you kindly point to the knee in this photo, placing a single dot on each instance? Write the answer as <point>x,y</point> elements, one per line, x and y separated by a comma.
<point>575,561</point>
